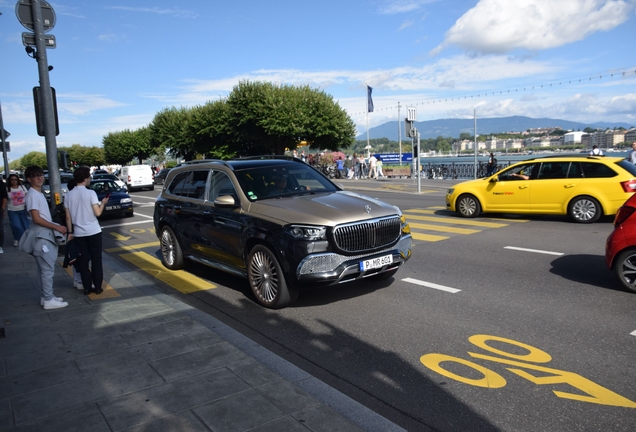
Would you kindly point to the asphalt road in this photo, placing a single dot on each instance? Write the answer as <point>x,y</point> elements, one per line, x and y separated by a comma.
<point>497,323</point>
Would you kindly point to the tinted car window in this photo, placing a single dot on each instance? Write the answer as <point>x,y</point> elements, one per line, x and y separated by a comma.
<point>221,185</point>
<point>627,166</point>
<point>553,170</point>
<point>177,183</point>
<point>597,170</point>
<point>258,183</point>
<point>195,184</point>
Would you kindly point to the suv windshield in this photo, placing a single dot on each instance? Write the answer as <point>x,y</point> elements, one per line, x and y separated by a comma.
<point>278,181</point>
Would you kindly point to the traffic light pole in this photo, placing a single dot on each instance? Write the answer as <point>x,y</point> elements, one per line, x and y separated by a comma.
<point>46,101</point>
<point>4,147</point>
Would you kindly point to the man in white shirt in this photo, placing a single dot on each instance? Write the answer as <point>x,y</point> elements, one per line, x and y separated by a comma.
<point>40,241</point>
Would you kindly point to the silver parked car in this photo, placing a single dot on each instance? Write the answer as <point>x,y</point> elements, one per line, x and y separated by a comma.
<point>278,222</point>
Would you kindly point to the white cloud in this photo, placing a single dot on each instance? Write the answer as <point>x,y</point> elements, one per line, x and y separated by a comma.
<point>81,104</point>
<point>405,24</point>
<point>391,7</point>
<point>109,37</point>
<point>176,12</point>
<point>500,26</point>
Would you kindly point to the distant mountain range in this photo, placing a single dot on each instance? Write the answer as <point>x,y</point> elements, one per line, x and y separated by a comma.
<point>453,127</point>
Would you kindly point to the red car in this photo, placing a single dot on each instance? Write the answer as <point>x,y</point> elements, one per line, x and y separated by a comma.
<point>620,248</point>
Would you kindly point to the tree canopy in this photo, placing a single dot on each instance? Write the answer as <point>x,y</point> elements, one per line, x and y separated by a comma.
<point>256,118</point>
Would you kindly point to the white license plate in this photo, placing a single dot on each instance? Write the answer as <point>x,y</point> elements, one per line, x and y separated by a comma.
<point>113,207</point>
<point>376,262</point>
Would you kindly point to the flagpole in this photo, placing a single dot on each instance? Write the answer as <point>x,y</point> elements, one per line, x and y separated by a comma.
<point>367,110</point>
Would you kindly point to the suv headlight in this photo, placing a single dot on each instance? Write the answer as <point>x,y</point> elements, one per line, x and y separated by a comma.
<point>125,200</point>
<point>406,229</point>
<point>310,233</point>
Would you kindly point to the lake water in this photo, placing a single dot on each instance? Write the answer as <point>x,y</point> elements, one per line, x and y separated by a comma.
<point>463,166</point>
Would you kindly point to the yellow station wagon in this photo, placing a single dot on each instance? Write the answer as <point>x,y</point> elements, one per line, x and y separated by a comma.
<point>583,187</point>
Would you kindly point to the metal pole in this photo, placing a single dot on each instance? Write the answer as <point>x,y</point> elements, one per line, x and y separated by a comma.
<point>46,103</point>
<point>4,146</point>
<point>400,133</point>
<point>417,165</point>
<point>475,149</point>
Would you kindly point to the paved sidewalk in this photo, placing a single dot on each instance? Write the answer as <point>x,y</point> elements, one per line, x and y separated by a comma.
<point>137,360</point>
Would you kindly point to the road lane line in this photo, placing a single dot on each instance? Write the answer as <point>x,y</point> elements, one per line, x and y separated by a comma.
<point>455,221</point>
<point>533,250</point>
<point>431,285</point>
<point>180,280</point>
<point>127,223</point>
<point>633,333</point>
<point>132,247</point>
<point>424,211</point>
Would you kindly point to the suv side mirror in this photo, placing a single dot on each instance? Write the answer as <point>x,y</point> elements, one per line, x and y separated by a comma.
<point>494,179</point>
<point>225,201</point>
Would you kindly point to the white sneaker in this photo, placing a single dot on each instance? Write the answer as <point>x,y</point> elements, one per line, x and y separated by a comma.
<point>78,285</point>
<point>54,303</point>
<point>54,298</point>
<point>15,243</point>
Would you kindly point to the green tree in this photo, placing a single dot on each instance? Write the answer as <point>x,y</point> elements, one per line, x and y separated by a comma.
<point>270,118</point>
<point>35,158</point>
<point>122,147</point>
<point>209,127</point>
<point>170,130</point>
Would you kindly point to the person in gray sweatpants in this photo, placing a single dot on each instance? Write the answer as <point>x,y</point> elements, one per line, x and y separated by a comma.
<point>40,240</point>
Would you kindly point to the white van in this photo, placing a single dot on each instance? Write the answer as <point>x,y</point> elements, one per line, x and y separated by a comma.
<point>137,177</point>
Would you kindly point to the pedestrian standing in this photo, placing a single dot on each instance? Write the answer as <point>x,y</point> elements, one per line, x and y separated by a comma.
<point>596,151</point>
<point>82,210</point>
<point>340,167</point>
<point>16,208</point>
<point>492,165</point>
<point>378,165</point>
<point>632,154</point>
<point>373,173</point>
<point>3,211</point>
<point>40,239</point>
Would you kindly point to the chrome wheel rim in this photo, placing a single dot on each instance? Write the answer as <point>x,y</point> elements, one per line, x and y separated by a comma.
<point>584,210</point>
<point>167,247</point>
<point>467,206</point>
<point>628,271</point>
<point>264,277</point>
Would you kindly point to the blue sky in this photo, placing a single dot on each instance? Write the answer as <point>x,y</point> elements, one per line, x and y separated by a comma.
<point>117,63</point>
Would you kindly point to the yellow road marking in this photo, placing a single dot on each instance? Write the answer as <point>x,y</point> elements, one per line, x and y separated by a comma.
<point>178,279</point>
<point>109,291</point>
<point>456,221</point>
<point>120,237</point>
<point>132,247</point>
<point>449,212</point>
<point>443,228</point>
<point>427,237</point>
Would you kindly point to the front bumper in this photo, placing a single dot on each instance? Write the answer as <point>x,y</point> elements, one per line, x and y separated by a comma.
<point>331,268</point>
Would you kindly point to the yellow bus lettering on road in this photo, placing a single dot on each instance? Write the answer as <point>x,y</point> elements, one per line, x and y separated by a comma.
<point>592,392</point>
<point>597,394</point>
<point>120,237</point>
<point>490,380</point>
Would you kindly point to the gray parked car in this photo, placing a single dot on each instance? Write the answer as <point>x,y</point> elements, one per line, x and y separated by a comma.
<point>278,222</point>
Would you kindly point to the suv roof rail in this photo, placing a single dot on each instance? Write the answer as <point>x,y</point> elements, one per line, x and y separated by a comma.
<point>283,157</point>
<point>200,161</point>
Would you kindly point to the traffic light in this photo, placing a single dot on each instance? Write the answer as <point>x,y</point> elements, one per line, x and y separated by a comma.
<point>63,159</point>
<point>39,114</point>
